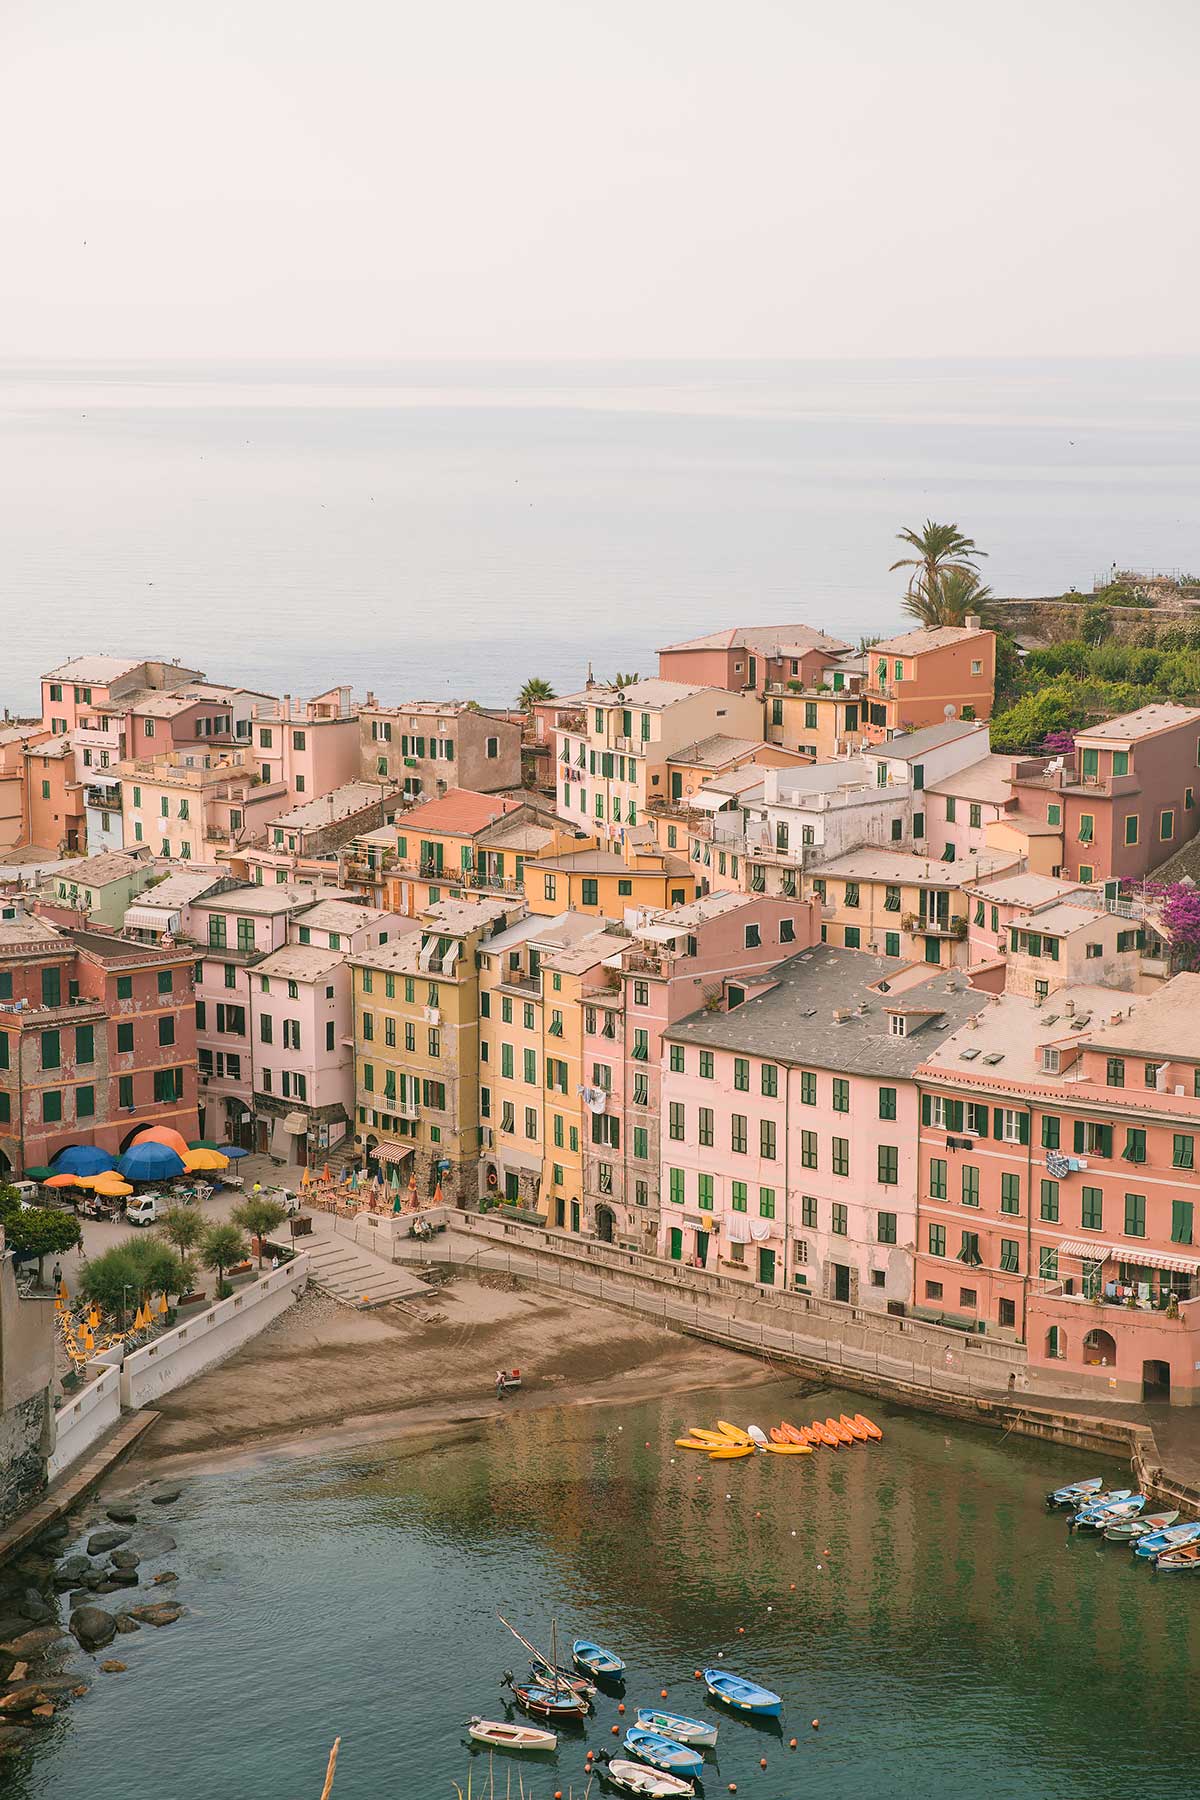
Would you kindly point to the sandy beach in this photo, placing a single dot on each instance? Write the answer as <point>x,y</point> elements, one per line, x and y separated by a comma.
<point>325,1373</point>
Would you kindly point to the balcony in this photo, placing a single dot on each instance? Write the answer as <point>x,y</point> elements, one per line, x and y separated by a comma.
<point>96,737</point>
<point>955,927</point>
<point>106,798</point>
<point>521,984</point>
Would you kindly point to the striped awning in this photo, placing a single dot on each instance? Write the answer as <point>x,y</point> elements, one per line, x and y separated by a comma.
<point>1159,1259</point>
<point>1089,1249</point>
<point>390,1153</point>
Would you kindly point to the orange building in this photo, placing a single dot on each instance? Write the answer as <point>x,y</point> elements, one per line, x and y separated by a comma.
<point>913,679</point>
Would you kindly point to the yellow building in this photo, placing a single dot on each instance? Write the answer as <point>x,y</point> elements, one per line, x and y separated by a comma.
<point>896,904</point>
<point>416,1048</point>
<point>694,765</point>
<point>605,882</point>
<point>820,723</point>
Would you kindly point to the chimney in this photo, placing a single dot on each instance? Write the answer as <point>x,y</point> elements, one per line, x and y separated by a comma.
<point>972,621</point>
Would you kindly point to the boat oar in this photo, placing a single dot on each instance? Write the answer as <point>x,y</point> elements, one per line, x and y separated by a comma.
<point>325,1791</point>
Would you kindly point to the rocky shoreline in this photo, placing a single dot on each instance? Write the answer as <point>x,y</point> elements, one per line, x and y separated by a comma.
<point>57,1614</point>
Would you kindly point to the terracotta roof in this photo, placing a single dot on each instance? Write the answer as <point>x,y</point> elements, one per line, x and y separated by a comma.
<point>766,640</point>
<point>912,643</point>
<point>460,810</point>
<point>1164,716</point>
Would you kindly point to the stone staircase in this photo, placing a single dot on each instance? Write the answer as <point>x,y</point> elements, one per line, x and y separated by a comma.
<point>356,1277</point>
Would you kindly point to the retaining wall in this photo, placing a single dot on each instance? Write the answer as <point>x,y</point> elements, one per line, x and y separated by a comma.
<point>83,1419</point>
<point>211,1336</point>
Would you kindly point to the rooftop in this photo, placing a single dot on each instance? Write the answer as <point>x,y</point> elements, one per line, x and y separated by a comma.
<point>342,915</point>
<point>99,870</point>
<point>650,695</point>
<point>398,956</point>
<point>447,709</point>
<point>609,862</point>
<point>107,947</point>
<point>900,866</point>
<point>300,962</point>
<point>1013,1027</point>
<point>577,958</point>
<point>561,931</point>
<point>266,899</point>
<point>1022,890</point>
<point>94,670</point>
<point>328,809</point>
<point>912,643</point>
<point>182,887</point>
<point>1061,917</point>
<point>27,933</point>
<point>457,917</point>
<point>718,751</point>
<point>989,779</point>
<point>1166,1023</point>
<point>793,1022</point>
<point>765,640</point>
<point>1163,716</point>
<point>459,810</point>
<point>912,745</point>
<point>696,912</point>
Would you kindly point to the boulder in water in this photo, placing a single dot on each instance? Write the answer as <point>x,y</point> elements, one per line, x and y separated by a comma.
<point>165,1496</point>
<point>35,1642</point>
<point>161,1612</point>
<point>154,1541</point>
<point>125,1559</point>
<point>100,1541</point>
<point>93,1627</point>
<point>127,1626</point>
<point>121,1514</point>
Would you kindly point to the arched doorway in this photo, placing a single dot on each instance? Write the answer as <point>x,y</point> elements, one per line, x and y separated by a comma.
<point>6,1167</point>
<point>130,1135</point>
<point>606,1224</point>
<point>1156,1380</point>
<point>1100,1349</point>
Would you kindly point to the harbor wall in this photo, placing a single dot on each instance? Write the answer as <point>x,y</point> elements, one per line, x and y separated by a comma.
<point>211,1336</point>
<point>94,1410</point>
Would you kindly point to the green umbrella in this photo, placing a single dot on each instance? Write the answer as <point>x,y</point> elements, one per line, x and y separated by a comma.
<point>38,1174</point>
<point>203,1144</point>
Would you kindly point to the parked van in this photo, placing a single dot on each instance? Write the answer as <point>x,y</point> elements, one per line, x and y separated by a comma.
<point>28,1191</point>
<point>145,1210</point>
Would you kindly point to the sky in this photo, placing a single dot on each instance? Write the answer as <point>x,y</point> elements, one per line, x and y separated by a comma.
<point>597,178</point>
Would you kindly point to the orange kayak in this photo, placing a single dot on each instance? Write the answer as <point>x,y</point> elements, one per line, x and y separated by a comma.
<point>839,1431</point>
<point>822,1434</point>
<point>854,1428</point>
<point>777,1435</point>
<point>869,1426</point>
<point>795,1434</point>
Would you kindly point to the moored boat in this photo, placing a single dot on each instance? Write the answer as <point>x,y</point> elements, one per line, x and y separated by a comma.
<point>822,1434</point>
<point>1156,1541</point>
<point>869,1426</point>
<point>1124,1531</point>
<point>1104,1516</point>
<point>789,1449</point>
<point>498,1734</point>
<point>757,1435</point>
<point>564,1681</point>
<point>795,1434</point>
<point>1074,1492</point>
<point>1180,1559</point>
<point>597,1660</point>
<point>675,1725</point>
<point>735,1433</point>
<point>744,1696</point>
<point>688,1443</point>
<point>639,1778</point>
<point>546,1703</point>
<point>839,1431</point>
<point>854,1428</point>
<point>731,1452</point>
<point>664,1753</point>
<point>1097,1502</point>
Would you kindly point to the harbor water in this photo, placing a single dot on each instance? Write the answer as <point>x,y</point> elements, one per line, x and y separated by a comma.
<point>912,1596</point>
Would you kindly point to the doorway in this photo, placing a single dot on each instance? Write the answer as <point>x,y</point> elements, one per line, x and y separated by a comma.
<point>605,1224</point>
<point>676,785</point>
<point>702,1249</point>
<point>1156,1380</point>
<point>766,1268</point>
<point>676,1244</point>
<point>841,1281</point>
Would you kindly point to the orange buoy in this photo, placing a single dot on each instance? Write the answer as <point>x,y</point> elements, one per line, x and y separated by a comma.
<point>698,1675</point>
<point>621,1707</point>
<point>558,1794</point>
<point>793,1587</point>
<point>762,1762</point>
<point>663,1692</point>
<point>758,1515</point>
<point>791,1745</point>
<point>733,1787</point>
<point>614,1729</point>
<point>816,1722</point>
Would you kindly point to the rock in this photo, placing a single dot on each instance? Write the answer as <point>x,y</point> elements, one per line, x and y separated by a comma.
<point>162,1612</point>
<point>35,1642</point>
<point>154,1541</point>
<point>168,1575</point>
<point>93,1627</point>
<point>121,1515</point>
<point>165,1496</point>
<point>57,1533</point>
<point>80,1689</point>
<point>92,1577</point>
<point>113,1667</point>
<point>122,1578</point>
<point>22,1699</point>
<point>35,1606</point>
<point>100,1541</point>
<point>71,1570</point>
<point>17,1672</point>
<point>125,1559</point>
<point>109,1586</point>
<point>125,1625</point>
<point>11,1626</point>
<point>11,1738</point>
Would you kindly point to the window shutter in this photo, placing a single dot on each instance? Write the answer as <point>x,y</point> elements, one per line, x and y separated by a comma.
<point>926,1109</point>
<point>1106,1140</point>
<point>1023,1127</point>
<point>956,1115</point>
<point>982,1115</point>
<point>998,1121</point>
<point>1079,1134</point>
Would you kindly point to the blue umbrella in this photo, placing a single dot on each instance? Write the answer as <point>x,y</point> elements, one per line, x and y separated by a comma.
<point>150,1162</point>
<point>82,1159</point>
<point>233,1150</point>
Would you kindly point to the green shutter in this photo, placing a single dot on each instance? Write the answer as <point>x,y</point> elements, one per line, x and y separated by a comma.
<point>926,1109</point>
<point>998,1122</point>
<point>1023,1127</point>
<point>1078,1135</point>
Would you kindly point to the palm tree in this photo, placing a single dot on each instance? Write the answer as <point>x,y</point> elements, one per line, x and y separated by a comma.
<point>534,692</point>
<point>624,681</point>
<point>941,550</point>
<point>956,596</point>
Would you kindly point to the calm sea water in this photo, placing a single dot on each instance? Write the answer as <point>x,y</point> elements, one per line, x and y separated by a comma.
<point>946,1631</point>
<point>451,529</point>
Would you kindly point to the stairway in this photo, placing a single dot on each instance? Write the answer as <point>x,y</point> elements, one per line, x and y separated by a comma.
<point>356,1277</point>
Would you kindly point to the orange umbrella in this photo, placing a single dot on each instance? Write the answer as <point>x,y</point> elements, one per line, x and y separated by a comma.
<point>62,1181</point>
<point>163,1134</point>
<point>437,1195</point>
<point>325,1175</point>
<point>305,1176</point>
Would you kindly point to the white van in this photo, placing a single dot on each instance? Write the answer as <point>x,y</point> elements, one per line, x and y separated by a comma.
<point>29,1193</point>
<point>144,1210</point>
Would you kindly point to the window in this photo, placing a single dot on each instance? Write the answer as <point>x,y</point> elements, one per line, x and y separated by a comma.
<point>741,1074</point>
<point>166,1029</point>
<point>1048,1263</point>
<point>52,987</point>
<point>51,1053</point>
<point>493,748</point>
<point>704,1192</point>
<point>852,894</point>
<point>808,1210</point>
<point>1049,1201</point>
<point>969,1253</point>
<point>676,1059</point>
<point>590,891</point>
<point>1166,824</point>
<point>885,1228</point>
<point>852,937</point>
<point>506,1060</point>
<point>753,937</point>
<point>1135,1145</point>
<point>937,1178</point>
<point>889,1165</point>
<point>1087,828</point>
<point>1050,1132</point>
<point>970,1185</point>
<point>675,1186</point>
<point>891,943</point>
<point>937,1241</point>
<point>766,1203</point>
<point>1135,1215</point>
<point>1183,1154</point>
<point>838,1223</point>
<point>1094,1140</point>
<point>1181,1221</point>
<point>705,1125</point>
<point>808,1087</point>
<point>738,1133</point>
<point>841,1156</point>
<point>675,1120</point>
<point>1092,1209</point>
<point>168,1084</point>
<point>951,810</point>
<point>51,1106</point>
<point>841,1095</point>
<point>1114,1073</point>
<point>976,815</point>
<point>808,1149</point>
<point>766,1139</point>
<point>1010,1193</point>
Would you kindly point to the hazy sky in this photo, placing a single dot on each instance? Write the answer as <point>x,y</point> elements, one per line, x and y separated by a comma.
<point>597,177</point>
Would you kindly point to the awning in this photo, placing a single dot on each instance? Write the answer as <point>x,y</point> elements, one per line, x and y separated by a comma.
<point>390,1153</point>
<point>295,1123</point>
<point>1089,1248</point>
<point>509,1157</point>
<point>1157,1259</point>
<point>152,918</point>
<point>707,802</point>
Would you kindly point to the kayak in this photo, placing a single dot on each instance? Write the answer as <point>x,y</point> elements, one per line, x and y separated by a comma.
<point>778,1435</point>
<point>757,1435</point>
<point>675,1725</point>
<point>869,1426</point>
<point>708,1437</point>
<point>693,1444</point>
<point>501,1736</point>
<point>734,1433</point>
<point>823,1435</point>
<point>839,1431</point>
<point>854,1428</point>
<point>796,1434</point>
<point>790,1449</point>
<point>743,1695</point>
<point>730,1452</point>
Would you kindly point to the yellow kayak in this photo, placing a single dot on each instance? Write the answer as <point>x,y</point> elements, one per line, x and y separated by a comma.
<point>707,1437</point>
<point>691,1444</point>
<point>730,1452</point>
<point>734,1433</point>
<point>790,1449</point>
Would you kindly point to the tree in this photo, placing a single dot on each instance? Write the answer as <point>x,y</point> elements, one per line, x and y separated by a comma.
<point>10,1203</point>
<point>533,693</point>
<point>258,1217</point>
<point>940,550</point>
<point>955,595</point>
<point>1180,914</point>
<point>182,1226</point>
<point>133,1270</point>
<point>221,1247</point>
<point>624,681</point>
<point>42,1231</point>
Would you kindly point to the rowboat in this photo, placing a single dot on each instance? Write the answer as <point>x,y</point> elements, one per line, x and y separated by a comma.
<point>564,1680</point>
<point>637,1778</point>
<point>823,1435</point>
<point>1074,1492</point>
<point>1097,1509</point>
<point>1124,1531</point>
<point>596,1659</point>
<point>789,1449</point>
<point>757,1435</point>
<point>1180,1559</point>
<point>730,1452</point>
<point>734,1433</point>
<point>869,1426</point>
<point>688,1443</point>
<point>664,1753</point>
<point>674,1725</point>
<point>545,1703</point>
<point>854,1428</point>
<point>1097,1502</point>
<point>742,1695</point>
<point>839,1431</point>
<point>1157,1541</point>
<point>501,1736</point>
<point>1108,1515</point>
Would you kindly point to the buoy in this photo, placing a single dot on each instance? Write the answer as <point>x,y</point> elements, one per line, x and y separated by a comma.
<point>620,1428</point>
<point>762,1762</point>
<point>791,1745</point>
<point>663,1693</point>
<point>558,1794</point>
<point>614,1729</point>
<point>699,1677</point>
<point>758,1515</point>
<point>793,1534</point>
<point>592,1753</point>
<point>826,1553</point>
<point>793,1587</point>
<point>770,1609</point>
<point>733,1787</point>
<point>729,1496</point>
<point>621,1708</point>
<point>816,1722</point>
<point>720,1655</point>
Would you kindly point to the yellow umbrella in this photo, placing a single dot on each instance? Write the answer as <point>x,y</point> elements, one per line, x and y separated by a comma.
<point>197,1161</point>
<point>112,1185</point>
<point>89,1342</point>
<point>93,1319</point>
<point>162,1304</point>
<point>305,1177</point>
<point>62,1289</point>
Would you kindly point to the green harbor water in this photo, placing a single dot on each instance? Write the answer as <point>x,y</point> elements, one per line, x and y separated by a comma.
<point>913,1595</point>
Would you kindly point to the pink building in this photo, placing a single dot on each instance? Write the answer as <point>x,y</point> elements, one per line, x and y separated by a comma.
<point>998,902</point>
<point>912,679</point>
<point>789,1124</point>
<point>959,807</point>
<point>677,959</point>
<point>751,656</point>
<point>312,746</point>
<point>77,691</point>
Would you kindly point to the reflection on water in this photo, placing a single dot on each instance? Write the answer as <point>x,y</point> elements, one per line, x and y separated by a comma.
<point>913,1596</point>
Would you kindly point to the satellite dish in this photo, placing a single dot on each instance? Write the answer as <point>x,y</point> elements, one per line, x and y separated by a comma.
<point>949,709</point>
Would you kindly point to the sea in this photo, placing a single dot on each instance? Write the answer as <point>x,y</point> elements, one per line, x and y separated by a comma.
<point>930,1627</point>
<point>448,530</point>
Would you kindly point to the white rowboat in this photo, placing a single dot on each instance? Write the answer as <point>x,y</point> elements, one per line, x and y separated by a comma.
<point>500,1735</point>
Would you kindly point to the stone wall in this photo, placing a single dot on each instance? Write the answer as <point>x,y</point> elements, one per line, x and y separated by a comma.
<point>1055,620</point>
<point>26,1370</point>
<point>210,1336</point>
<point>24,1444</point>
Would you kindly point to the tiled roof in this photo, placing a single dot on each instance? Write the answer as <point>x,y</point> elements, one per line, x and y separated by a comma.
<point>460,810</point>
<point>912,643</point>
<point>765,640</point>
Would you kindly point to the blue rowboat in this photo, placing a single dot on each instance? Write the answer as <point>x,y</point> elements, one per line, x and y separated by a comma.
<point>596,1659</point>
<point>1074,1492</point>
<point>744,1696</point>
<point>1104,1516</point>
<point>1100,1504</point>
<point>1170,1539</point>
<point>545,1703</point>
<point>664,1753</point>
<point>674,1725</point>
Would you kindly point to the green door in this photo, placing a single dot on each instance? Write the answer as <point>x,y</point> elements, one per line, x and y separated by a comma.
<point>933,950</point>
<point>766,1267</point>
<point>676,785</point>
<point>702,1248</point>
<point>574,1215</point>
<point>676,1244</point>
